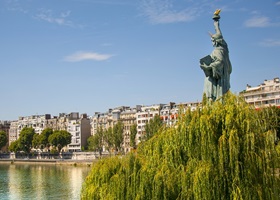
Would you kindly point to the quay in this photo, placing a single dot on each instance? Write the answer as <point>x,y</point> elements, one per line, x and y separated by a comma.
<point>50,161</point>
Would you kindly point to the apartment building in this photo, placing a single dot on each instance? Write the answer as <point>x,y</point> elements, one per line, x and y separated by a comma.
<point>106,119</point>
<point>13,133</point>
<point>265,94</point>
<point>37,122</point>
<point>143,116</point>
<point>78,126</point>
<point>170,112</point>
<point>128,118</point>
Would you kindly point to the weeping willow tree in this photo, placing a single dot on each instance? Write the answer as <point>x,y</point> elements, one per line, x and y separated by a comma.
<point>223,151</point>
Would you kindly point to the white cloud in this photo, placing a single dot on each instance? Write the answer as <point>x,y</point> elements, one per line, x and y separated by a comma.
<point>277,3</point>
<point>47,15</point>
<point>163,11</point>
<point>81,56</point>
<point>270,43</point>
<point>258,21</point>
<point>14,5</point>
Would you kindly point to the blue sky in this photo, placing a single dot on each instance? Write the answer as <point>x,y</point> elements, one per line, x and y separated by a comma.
<point>91,55</point>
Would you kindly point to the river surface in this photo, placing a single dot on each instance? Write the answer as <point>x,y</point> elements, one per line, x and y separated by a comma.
<point>32,181</point>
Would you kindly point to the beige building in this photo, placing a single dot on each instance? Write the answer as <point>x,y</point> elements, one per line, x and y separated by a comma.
<point>265,94</point>
<point>78,126</point>
<point>106,119</point>
<point>128,118</point>
<point>109,119</point>
<point>37,122</point>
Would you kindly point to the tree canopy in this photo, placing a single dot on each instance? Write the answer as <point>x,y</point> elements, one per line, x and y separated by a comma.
<point>118,136</point>
<point>14,146</point>
<point>3,139</point>
<point>152,127</point>
<point>25,139</point>
<point>133,133</point>
<point>95,142</point>
<point>225,150</point>
<point>60,139</point>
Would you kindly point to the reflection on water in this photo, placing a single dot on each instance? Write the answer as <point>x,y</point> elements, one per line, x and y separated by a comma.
<point>30,181</point>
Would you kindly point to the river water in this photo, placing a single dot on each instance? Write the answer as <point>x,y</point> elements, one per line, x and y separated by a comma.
<point>32,181</point>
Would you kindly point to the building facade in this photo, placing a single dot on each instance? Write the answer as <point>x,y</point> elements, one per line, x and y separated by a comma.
<point>37,122</point>
<point>78,126</point>
<point>263,95</point>
<point>128,118</point>
<point>143,116</point>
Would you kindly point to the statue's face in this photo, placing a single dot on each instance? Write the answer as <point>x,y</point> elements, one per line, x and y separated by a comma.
<point>214,43</point>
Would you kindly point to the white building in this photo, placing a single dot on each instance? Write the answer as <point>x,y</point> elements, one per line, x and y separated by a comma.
<point>170,112</point>
<point>265,94</point>
<point>143,116</point>
<point>79,127</point>
<point>37,122</point>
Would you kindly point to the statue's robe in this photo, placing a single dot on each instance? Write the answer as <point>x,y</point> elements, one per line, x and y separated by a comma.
<point>219,83</point>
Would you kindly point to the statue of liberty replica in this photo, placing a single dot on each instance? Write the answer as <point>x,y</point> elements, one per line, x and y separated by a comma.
<point>216,66</point>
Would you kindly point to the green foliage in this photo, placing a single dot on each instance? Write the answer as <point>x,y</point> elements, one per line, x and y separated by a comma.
<point>133,133</point>
<point>152,127</point>
<point>223,151</point>
<point>60,139</point>
<point>25,139</point>
<point>14,146</point>
<point>44,136</point>
<point>3,139</point>
<point>54,151</point>
<point>95,142</point>
<point>118,136</point>
<point>272,116</point>
<point>111,138</point>
<point>108,138</point>
<point>36,140</point>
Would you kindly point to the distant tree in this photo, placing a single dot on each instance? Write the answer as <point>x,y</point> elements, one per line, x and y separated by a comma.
<point>133,133</point>
<point>152,127</point>
<point>108,139</point>
<point>67,137</point>
<point>60,139</point>
<point>14,146</point>
<point>3,139</point>
<point>44,137</point>
<point>95,142</point>
<point>25,139</point>
<point>36,141</point>
<point>118,136</point>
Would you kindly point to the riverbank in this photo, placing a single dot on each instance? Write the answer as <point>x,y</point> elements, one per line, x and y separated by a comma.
<point>50,161</point>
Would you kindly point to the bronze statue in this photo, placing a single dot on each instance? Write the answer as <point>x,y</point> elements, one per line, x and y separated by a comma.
<point>216,66</point>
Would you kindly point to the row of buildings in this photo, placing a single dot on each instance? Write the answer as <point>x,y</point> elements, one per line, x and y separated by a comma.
<point>83,126</point>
